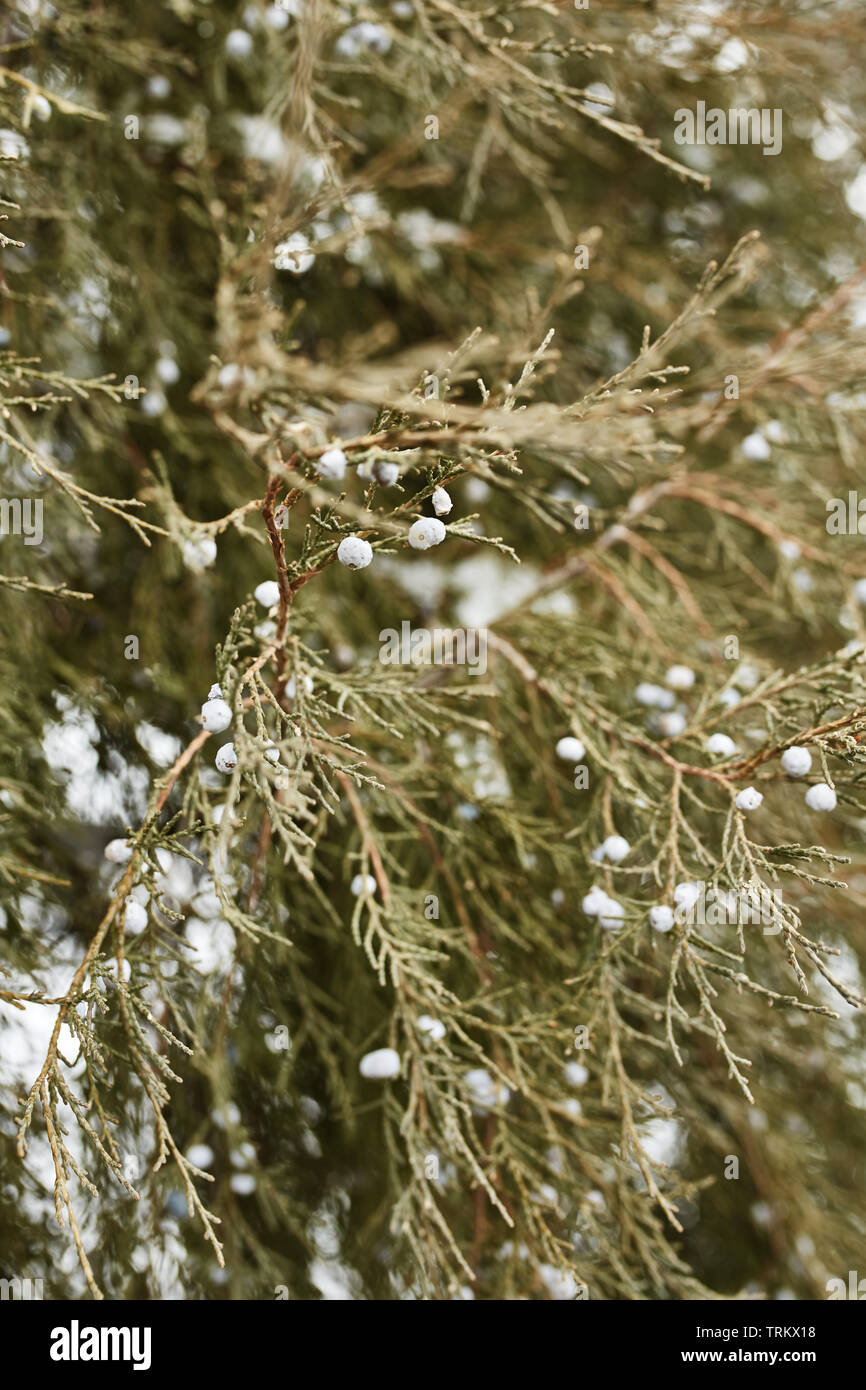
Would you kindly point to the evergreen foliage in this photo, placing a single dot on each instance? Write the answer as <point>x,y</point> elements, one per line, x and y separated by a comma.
<point>458,237</point>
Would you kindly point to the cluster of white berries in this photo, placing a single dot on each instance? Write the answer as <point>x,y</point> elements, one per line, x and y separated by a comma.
<point>609,912</point>
<point>797,761</point>
<point>662,917</point>
<point>670,722</point>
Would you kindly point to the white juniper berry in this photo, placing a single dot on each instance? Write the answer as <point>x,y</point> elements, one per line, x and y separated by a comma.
<point>821,797</point>
<point>216,715</point>
<point>381,1065</point>
<point>426,532</point>
<point>226,759</point>
<point>354,552</point>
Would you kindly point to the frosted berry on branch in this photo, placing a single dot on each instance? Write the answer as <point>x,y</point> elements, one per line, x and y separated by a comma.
<point>363,883</point>
<point>332,464</point>
<point>272,752</point>
<point>593,901</point>
<point>611,915</point>
<point>654,696</point>
<point>748,799</point>
<point>216,715</point>
<point>354,552</point>
<point>385,473</point>
<point>680,678</point>
<point>821,797</point>
<point>615,848</point>
<point>433,1028</point>
<point>571,750</point>
<point>239,44</point>
<point>484,1091</point>
<point>721,746</point>
<point>215,692</point>
<point>199,553</point>
<point>281,517</point>
<point>797,761</point>
<point>226,759</point>
<point>442,503</point>
<point>134,917</point>
<point>672,725</point>
<point>426,532</point>
<point>381,1065</point>
<point>661,918</point>
<point>118,851</point>
<point>686,895</point>
<point>292,686</point>
<point>267,593</point>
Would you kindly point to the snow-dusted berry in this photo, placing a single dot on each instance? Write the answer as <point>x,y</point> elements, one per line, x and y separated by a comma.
<point>615,848</point>
<point>433,1027</point>
<point>199,552</point>
<point>593,901</point>
<point>749,799</point>
<point>442,503</point>
<point>134,916</point>
<point>294,254</point>
<point>576,1074</point>
<point>426,532</point>
<point>860,591</point>
<point>796,761</point>
<point>215,692</point>
<point>226,759</point>
<point>484,1090</point>
<point>611,915</point>
<point>654,696</point>
<point>821,797</point>
<point>281,517</point>
<point>332,464</point>
<point>570,749</point>
<point>239,44</point>
<point>672,725</point>
<point>686,895</point>
<point>381,1065</point>
<point>680,678</point>
<point>385,473</point>
<point>272,752</point>
<point>216,715</point>
<point>292,686</point>
<point>755,447</point>
<point>661,918</point>
<point>118,851</point>
<point>363,883</point>
<point>268,593</point>
<point>354,552</point>
<point>167,370</point>
<point>721,746</point>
